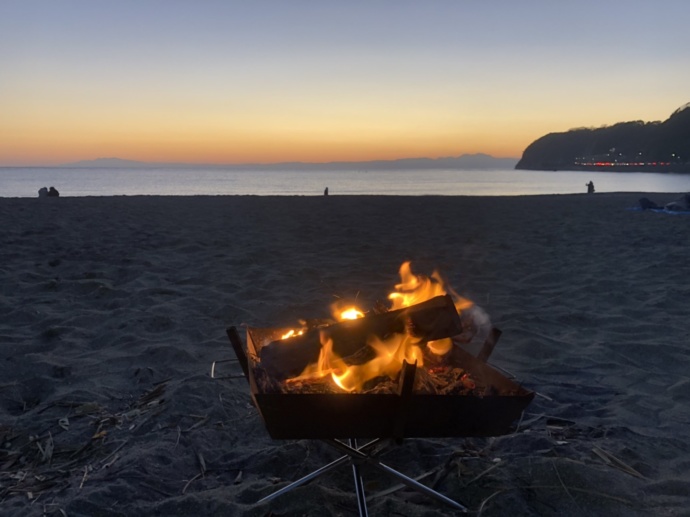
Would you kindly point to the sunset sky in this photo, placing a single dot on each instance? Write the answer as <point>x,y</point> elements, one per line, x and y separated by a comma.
<point>269,81</point>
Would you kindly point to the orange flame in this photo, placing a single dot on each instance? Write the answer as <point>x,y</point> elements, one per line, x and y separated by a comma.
<point>391,352</point>
<point>419,288</point>
<point>389,356</point>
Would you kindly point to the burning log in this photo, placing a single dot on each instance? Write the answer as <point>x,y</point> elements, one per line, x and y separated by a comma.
<point>433,319</point>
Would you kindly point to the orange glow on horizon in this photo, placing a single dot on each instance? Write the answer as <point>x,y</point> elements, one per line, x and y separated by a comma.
<point>45,134</point>
<point>308,127</point>
<point>58,149</point>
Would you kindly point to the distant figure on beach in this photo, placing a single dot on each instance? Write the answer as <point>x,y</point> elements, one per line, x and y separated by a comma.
<point>325,192</point>
<point>43,192</point>
<point>590,188</point>
<point>52,192</point>
<point>648,204</point>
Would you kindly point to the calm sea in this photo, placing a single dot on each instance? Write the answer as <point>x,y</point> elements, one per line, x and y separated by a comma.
<point>25,182</point>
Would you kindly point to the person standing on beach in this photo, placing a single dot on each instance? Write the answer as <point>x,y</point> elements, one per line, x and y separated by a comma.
<point>590,187</point>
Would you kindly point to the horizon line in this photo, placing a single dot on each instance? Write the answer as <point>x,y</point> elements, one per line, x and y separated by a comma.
<point>124,161</point>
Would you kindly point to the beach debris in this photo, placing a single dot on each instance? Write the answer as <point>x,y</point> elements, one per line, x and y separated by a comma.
<point>558,428</point>
<point>47,449</point>
<point>110,462</point>
<point>99,435</point>
<point>201,420</point>
<point>106,462</point>
<point>534,488</point>
<point>87,470</point>
<point>542,395</point>
<point>64,423</point>
<point>611,460</point>
<point>493,467</point>
<point>202,463</point>
<point>88,408</point>
<point>51,508</point>
<point>681,384</point>
<point>33,464</point>
<point>153,397</point>
<point>186,486</point>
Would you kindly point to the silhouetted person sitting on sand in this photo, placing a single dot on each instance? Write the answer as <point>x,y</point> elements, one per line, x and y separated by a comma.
<point>42,192</point>
<point>52,192</point>
<point>590,188</point>
<point>648,204</point>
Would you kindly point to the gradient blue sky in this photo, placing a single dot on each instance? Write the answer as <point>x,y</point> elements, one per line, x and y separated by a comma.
<point>270,81</point>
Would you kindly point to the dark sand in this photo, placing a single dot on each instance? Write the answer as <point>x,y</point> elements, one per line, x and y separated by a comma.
<point>106,300</point>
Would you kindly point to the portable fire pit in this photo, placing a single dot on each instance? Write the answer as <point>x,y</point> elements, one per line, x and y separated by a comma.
<point>480,401</point>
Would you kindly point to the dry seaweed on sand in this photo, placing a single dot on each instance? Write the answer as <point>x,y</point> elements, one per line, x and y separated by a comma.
<point>70,449</point>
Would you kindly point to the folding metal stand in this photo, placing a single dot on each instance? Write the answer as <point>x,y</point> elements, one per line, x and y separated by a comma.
<point>356,456</point>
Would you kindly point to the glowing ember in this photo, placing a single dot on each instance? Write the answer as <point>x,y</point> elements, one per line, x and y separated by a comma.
<point>351,313</point>
<point>291,333</point>
<point>389,353</point>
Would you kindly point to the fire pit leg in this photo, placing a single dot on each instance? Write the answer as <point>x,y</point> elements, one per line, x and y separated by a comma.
<point>357,454</point>
<point>416,485</point>
<point>359,485</point>
<point>306,479</point>
<point>326,468</point>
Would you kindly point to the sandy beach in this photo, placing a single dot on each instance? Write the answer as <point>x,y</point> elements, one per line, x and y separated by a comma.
<point>113,309</point>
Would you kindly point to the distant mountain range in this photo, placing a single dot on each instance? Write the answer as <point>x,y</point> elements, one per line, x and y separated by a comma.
<point>627,146</point>
<point>466,161</point>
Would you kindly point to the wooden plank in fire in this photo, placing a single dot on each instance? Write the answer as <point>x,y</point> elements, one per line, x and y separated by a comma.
<point>436,318</point>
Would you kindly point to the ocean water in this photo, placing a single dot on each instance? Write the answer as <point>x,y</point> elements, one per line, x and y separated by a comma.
<point>25,182</point>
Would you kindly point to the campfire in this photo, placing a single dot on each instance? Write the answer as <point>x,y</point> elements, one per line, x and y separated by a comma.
<point>389,371</point>
<point>358,352</point>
